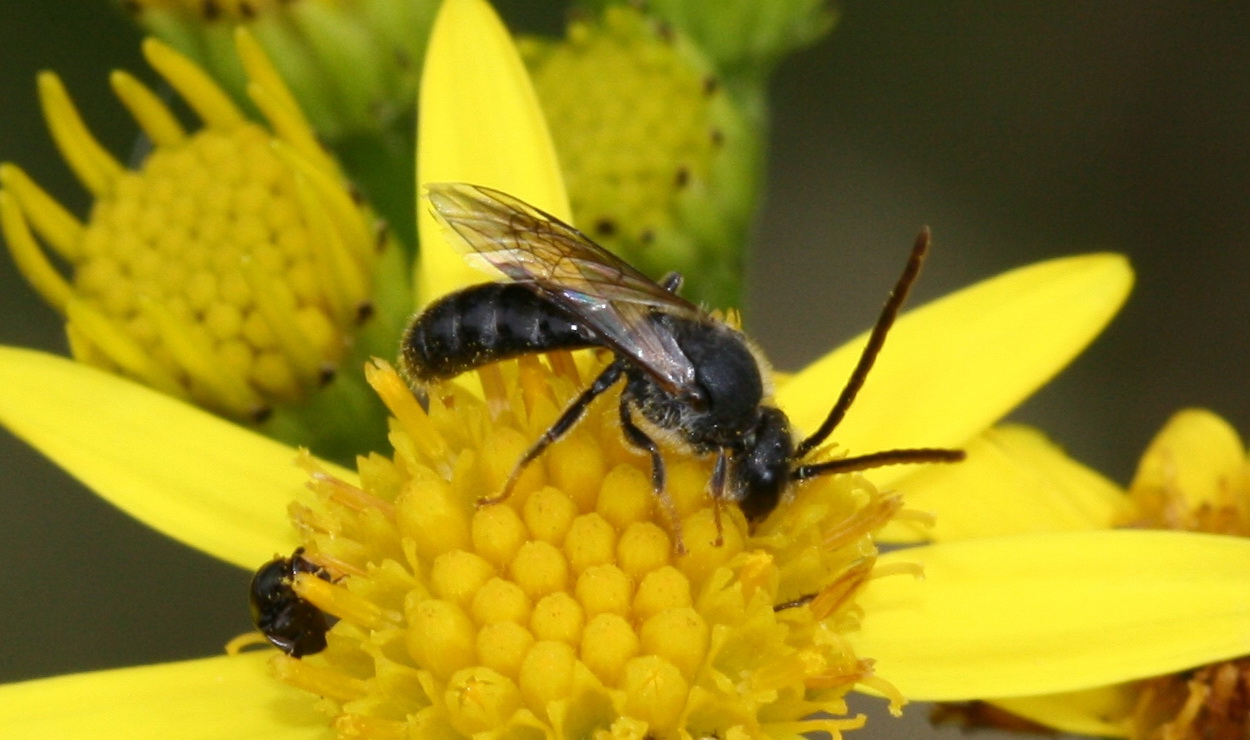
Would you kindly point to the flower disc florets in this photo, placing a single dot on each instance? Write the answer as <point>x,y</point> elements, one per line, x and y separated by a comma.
<point>198,241</point>
<point>232,267</point>
<point>565,611</point>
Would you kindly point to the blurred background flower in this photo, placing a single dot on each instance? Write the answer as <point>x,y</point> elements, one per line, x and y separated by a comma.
<point>1016,135</point>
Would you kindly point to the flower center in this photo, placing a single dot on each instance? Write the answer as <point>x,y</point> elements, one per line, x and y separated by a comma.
<point>233,268</point>
<point>206,251</point>
<point>566,607</point>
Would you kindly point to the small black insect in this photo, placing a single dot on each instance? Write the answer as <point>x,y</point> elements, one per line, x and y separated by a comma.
<point>292,624</point>
<point>687,374</point>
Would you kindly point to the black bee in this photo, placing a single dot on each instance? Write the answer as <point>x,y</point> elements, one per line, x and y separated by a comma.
<point>292,624</point>
<point>687,374</point>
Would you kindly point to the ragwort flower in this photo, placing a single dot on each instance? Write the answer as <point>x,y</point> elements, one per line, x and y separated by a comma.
<point>1183,523</point>
<point>564,610</point>
<point>233,267</point>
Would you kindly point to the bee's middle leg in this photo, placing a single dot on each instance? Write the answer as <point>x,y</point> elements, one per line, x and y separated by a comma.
<point>567,420</point>
<point>641,441</point>
<point>720,472</point>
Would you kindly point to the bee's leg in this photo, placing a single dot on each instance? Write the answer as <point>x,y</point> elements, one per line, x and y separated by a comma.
<point>640,440</point>
<point>643,443</point>
<point>422,394</point>
<point>672,282</point>
<point>567,420</point>
<point>803,600</point>
<point>719,472</point>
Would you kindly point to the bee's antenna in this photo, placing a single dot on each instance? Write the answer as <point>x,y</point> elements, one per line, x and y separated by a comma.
<point>878,460</point>
<point>889,312</point>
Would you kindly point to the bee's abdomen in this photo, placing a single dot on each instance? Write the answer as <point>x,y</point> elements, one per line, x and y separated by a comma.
<point>483,324</point>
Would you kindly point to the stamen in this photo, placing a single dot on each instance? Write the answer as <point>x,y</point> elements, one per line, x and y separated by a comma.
<point>279,314</point>
<point>864,520</point>
<point>343,214</point>
<point>91,162</point>
<point>152,115</point>
<point>120,348</point>
<point>192,349</point>
<point>915,516</point>
<point>350,496</point>
<point>357,726</point>
<point>834,727</point>
<point>58,228</point>
<point>885,688</point>
<point>756,573</point>
<point>403,405</point>
<point>344,604</point>
<point>844,586</point>
<point>316,680</point>
<point>345,286</point>
<point>244,641</point>
<point>856,671</point>
<point>915,570</point>
<point>261,73</point>
<point>491,378</point>
<point>290,126</point>
<point>29,258</point>
<point>536,393</point>
<point>563,365</point>
<point>209,101</point>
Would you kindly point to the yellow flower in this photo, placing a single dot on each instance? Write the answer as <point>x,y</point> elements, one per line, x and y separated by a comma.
<point>1192,482</point>
<point>564,609</point>
<point>231,268</point>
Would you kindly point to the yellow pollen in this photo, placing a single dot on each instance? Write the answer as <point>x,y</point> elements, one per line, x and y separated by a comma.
<point>561,611</point>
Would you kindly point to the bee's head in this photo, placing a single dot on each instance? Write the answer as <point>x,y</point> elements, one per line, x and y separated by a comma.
<point>762,467</point>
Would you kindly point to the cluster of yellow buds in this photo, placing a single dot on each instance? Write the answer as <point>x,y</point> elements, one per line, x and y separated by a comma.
<point>234,268</point>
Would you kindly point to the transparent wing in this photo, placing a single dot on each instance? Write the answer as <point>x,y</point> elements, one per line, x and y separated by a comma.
<point>499,233</point>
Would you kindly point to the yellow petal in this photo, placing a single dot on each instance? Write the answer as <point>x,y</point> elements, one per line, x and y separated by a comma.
<point>479,122</point>
<point>201,480</point>
<point>1196,454</point>
<point>1099,712</point>
<point>1014,481</point>
<point>953,367</point>
<point>212,698</point>
<point>1049,613</point>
